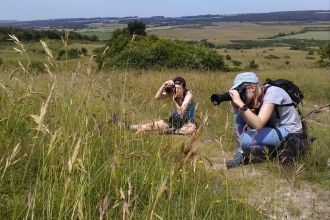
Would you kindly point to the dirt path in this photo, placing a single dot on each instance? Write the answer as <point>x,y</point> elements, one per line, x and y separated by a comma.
<point>278,195</point>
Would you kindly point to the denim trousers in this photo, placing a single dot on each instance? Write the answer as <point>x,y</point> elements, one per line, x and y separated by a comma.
<point>256,140</point>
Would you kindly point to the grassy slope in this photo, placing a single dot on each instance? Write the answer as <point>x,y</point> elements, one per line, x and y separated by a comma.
<point>79,108</point>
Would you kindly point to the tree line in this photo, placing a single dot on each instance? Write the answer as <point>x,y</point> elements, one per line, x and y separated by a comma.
<point>35,35</point>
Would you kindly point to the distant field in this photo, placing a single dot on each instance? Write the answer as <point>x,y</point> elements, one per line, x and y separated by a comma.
<point>223,32</point>
<point>283,57</point>
<point>219,33</point>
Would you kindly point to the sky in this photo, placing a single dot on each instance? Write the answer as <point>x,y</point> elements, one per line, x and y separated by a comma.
<point>26,10</point>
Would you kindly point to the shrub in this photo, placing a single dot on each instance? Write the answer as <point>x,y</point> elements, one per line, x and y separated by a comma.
<point>311,52</point>
<point>253,65</point>
<point>236,62</point>
<point>271,56</point>
<point>228,57</point>
<point>150,52</point>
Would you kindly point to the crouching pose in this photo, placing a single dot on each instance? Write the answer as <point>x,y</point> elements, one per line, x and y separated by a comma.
<point>268,114</point>
<point>182,100</point>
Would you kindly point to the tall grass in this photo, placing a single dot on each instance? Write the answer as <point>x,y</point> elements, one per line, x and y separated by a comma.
<point>65,157</point>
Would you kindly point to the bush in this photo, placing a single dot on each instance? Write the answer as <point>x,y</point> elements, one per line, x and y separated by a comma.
<point>150,52</point>
<point>271,56</point>
<point>236,62</point>
<point>311,52</point>
<point>228,57</point>
<point>253,65</point>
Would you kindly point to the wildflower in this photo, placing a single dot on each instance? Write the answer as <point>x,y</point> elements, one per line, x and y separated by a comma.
<point>24,155</point>
<point>122,136</point>
<point>77,164</point>
<point>178,180</point>
<point>224,183</point>
<point>260,212</point>
<point>201,162</point>
<point>147,142</point>
<point>209,171</point>
<point>181,170</point>
<point>218,201</point>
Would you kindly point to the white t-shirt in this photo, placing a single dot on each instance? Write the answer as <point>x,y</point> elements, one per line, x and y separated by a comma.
<point>288,116</point>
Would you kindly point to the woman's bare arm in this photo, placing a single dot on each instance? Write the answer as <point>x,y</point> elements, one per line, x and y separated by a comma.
<point>181,110</point>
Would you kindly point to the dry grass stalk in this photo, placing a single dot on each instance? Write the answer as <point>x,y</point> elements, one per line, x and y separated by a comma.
<point>292,177</point>
<point>39,119</point>
<point>104,207</point>
<point>159,194</point>
<point>126,202</point>
<point>10,161</point>
<point>80,209</point>
<point>317,110</point>
<point>73,158</point>
<point>188,152</point>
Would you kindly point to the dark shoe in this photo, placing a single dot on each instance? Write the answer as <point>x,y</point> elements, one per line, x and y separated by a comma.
<point>170,130</point>
<point>238,160</point>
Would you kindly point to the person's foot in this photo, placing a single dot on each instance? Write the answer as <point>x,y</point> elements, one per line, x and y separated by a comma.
<point>238,160</point>
<point>171,130</point>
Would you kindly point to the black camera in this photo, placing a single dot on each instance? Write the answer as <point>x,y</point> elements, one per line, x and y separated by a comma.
<point>170,89</point>
<point>216,99</point>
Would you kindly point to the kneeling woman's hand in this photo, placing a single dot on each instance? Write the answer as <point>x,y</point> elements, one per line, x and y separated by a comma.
<point>236,99</point>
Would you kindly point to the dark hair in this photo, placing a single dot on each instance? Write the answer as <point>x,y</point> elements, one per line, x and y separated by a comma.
<point>180,79</point>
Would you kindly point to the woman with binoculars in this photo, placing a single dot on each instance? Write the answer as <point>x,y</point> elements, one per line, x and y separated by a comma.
<point>182,101</point>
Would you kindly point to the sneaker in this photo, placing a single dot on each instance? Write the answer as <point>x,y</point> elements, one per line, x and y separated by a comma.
<point>238,160</point>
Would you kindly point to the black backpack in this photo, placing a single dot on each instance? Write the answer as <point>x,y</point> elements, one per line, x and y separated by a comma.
<point>293,90</point>
<point>294,145</point>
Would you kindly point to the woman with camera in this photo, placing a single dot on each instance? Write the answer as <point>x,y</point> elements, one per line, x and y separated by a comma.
<point>268,114</point>
<point>182,101</point>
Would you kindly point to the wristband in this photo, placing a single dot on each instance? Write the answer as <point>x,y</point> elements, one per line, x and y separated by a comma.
<point>243,108</point>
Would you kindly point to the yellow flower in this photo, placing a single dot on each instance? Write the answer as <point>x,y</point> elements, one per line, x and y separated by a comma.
<point>200,161</point>
<point>24,155</point>
<point>209,171</point>
<point>218,201</point>
<point>181,170</point>
<point>224,183</point>
<point>260,212</point>
<point>178,180</point>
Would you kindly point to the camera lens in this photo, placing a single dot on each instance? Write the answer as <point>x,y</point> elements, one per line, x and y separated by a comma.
<point>169,89</point>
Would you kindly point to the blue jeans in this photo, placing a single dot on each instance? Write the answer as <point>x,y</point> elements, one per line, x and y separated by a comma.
<point>256,140</point>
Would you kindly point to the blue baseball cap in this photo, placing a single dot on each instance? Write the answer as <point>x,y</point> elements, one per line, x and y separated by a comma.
<point>245,77</point>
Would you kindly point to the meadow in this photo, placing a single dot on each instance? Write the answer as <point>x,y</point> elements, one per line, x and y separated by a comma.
<point>65,155</point>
